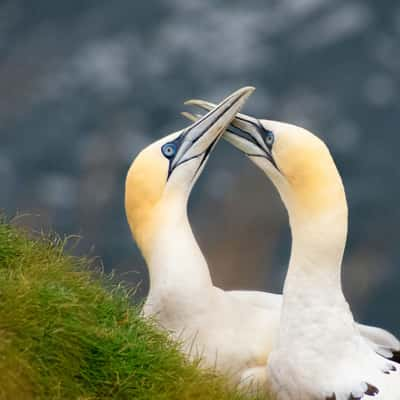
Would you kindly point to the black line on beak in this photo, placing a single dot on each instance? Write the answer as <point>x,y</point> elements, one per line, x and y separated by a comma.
<point>213,121</point>
<point>242,133</point>
<point>247,136</point>
<point>267,156</point>
<point>183,135</point>
<point>206,153</point>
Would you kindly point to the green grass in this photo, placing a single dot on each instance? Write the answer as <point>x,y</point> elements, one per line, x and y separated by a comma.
<point>69,333</point>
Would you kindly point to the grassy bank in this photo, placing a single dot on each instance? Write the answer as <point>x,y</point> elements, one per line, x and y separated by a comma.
<point>68,333</point>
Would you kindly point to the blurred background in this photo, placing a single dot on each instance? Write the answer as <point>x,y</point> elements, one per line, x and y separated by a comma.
<point>84,85</point>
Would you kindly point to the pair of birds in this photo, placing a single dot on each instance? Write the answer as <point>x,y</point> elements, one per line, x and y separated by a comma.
<point>302,345</point>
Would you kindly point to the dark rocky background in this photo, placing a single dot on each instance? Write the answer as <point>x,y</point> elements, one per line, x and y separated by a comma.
<point>84,85</point>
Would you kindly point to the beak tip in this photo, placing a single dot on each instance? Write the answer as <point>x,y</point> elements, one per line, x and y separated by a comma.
<point>242,94</point>
<point>189,116</point>
<point>190,102</point>
<point>248,89</point>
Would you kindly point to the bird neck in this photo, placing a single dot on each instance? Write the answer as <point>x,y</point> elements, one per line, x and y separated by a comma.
<point>319,232</point>
<point>174,259</point>
<point>317,251</point>
<point>315,313</point>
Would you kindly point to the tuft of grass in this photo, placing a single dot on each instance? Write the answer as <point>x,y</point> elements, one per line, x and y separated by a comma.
<point>69,333</point>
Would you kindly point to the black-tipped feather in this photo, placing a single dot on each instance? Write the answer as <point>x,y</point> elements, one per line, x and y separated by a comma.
<point>395,357</point>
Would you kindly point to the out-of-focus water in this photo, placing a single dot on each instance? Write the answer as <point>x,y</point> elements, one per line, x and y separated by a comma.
<point>85,85</point>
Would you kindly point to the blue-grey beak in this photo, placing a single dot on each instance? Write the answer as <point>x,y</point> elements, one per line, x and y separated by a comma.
<point>246,133</point>
<point>200,138</point>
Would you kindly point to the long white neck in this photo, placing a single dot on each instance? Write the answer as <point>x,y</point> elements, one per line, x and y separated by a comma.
<point>316,254</point>
<point>313,301</point>
<point>174,259</point>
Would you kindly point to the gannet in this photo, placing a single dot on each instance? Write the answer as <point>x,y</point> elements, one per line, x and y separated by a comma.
<point>321,353</point>
<point>225,329</point>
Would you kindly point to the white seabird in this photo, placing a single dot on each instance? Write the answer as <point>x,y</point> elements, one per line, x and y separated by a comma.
<point>321,353</point>
<point>227,331</point>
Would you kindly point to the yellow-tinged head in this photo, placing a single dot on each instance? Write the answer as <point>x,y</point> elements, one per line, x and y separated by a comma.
<point>161,177</point>
<point>302,168</point>
<point>144,187</point>
<point>298,162</point>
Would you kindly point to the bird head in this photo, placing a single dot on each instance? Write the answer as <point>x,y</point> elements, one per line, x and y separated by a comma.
<point>298,162</point>
<point>161,177</point>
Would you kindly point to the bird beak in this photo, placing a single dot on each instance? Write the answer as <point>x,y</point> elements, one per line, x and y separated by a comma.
<point>244,132</point>
<point>200,138</point>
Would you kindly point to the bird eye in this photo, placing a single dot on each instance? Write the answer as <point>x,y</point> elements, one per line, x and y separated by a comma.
<point>169,150</point>
<point>269,138</point>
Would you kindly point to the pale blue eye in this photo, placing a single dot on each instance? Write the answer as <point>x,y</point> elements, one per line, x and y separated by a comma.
<point>169,150</point>
<point>269,138</point>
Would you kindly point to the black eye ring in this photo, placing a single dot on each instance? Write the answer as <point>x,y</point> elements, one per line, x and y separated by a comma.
<point>169,150</point>
<point>269,138</point>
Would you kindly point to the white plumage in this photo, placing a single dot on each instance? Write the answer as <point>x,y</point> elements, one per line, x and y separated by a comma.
<point>228,330</point>
<point>321,353</point>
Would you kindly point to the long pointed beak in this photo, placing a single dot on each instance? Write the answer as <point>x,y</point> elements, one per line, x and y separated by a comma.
<point>244,132</point>
<point>199,139</point>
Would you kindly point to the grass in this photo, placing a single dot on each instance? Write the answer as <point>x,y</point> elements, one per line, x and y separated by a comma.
<point>67,332</point>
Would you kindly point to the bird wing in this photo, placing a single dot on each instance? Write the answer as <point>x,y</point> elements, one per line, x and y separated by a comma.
<point>385,343</point>
<point>258,299</point>
<point>379,336</point>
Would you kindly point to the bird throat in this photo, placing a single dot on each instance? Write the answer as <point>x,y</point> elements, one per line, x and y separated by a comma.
<point>172,255</point>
